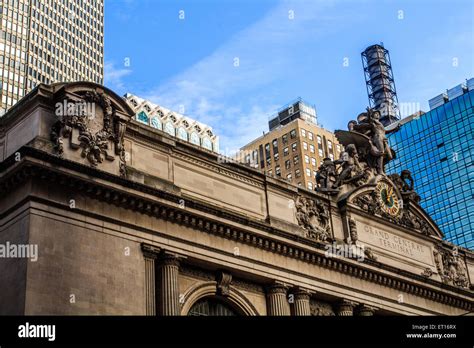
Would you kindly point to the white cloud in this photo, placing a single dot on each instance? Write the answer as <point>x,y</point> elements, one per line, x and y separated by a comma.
<point>113,77</point>
<point>250,65</point>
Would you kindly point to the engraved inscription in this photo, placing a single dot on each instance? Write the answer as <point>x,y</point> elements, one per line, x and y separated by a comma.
<point>394,243</point>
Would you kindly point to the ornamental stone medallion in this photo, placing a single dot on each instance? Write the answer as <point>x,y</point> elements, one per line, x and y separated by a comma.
<point>90,129</point>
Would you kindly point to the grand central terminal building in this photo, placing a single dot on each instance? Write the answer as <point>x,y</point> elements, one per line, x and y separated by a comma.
<point>129,220</point>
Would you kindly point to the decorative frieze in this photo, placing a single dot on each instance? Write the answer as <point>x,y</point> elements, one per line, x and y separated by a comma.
<point>321,308</point>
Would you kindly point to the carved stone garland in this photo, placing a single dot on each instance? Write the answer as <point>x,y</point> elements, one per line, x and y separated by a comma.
<point>312,215</point>
<point>93,142</point>
<point>450,267</point>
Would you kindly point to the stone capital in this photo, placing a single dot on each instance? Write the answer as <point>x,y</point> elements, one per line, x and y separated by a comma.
<point>169,258</point>
<point>346,307</point>
<point>150,251</point>
<point>278,287</point>
<point>302,293</point>
<point>366,310</point>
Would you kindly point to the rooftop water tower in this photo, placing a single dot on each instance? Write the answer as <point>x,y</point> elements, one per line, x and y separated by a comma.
<point>380,83</point>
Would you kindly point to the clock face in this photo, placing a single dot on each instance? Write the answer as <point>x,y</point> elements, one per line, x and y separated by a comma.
<point>389,202</point>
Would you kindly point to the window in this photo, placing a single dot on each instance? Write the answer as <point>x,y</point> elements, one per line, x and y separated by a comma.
<point>303,133</point>
<point>169,128</point>
<point>267,150</point>
<point>305,145</point>
<point>330,146</point>
<point>156,122</point>
<point>293,134</point>
<point>278,170</point>
<point>306,159</point>
<point>287,164</point>
<point>319,140</point>
<point>270,172</point>
<point>296,160</point>
<point>275,149</point>
<point>338,147</point>
<point>206,143</point>
<point>331,156</point>
<point>142,117</point>
<point>308,172</point>
<point>269,161</point>
<point>313,161</point>
<point>195,139</point>
<point>286,151</point>
<point>211,307</point>
<point>288,177</point>
<point>182,134</point>
<point>310,136</point>
<point>310,185</point>
<point>297,173</point>
<point>311,148</point>
<point>320,152</point>
<point>284,139</point>
<point>293,147</point>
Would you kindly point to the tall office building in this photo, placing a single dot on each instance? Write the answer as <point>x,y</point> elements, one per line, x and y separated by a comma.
<point>295,146</point>
<point>437,147</point>
<point>46,41</point>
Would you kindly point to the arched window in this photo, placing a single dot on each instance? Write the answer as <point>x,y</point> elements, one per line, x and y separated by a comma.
<point>211,306</point>
<point>195,138</point>
<point>206,143</point>
<point>142,117</point>
<point>169,128</point>
<point>182,134</point>
<point>156,122</point>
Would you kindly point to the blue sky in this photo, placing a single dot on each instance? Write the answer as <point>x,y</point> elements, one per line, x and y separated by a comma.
<point>232,63</point>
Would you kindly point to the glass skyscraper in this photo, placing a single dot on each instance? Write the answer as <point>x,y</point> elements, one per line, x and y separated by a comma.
<point>437,147</point>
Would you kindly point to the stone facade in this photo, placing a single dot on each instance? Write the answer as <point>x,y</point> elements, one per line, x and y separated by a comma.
<point>129,220</point>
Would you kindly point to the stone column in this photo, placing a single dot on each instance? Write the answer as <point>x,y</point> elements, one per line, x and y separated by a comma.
<point>345,308</point>
<point>301,306</point>
<point>150,254</point>
<point>277,302</point>
<point>366,311</point>
<point>169,290</point>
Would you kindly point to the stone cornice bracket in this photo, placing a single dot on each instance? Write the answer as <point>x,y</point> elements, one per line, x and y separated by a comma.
<point>150,251</point>
<point>366,311</point>
<point>345,307</point>
<point>224,279</point>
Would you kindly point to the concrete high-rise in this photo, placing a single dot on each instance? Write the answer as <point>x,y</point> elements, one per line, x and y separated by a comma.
<point>49,41</point>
